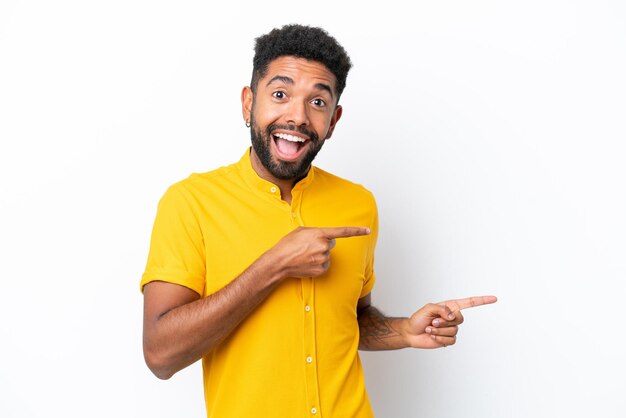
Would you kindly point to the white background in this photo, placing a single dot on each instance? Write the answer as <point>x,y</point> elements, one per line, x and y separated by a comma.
<point>492,134</point>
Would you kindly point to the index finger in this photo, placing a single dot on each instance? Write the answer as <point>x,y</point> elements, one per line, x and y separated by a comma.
<point>345,231</point>
<point>458,304</point>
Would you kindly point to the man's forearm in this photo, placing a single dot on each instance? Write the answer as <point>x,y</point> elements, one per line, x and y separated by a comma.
<point>378,332</point>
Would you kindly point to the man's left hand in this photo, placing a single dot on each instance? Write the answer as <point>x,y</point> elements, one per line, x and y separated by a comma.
<point>436,324</point>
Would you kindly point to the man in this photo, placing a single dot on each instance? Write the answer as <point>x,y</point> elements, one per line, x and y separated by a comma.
<point>264,268</point>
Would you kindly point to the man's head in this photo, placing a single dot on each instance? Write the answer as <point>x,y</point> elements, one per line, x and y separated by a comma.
<point>299,73</point>
<point>310,43</point>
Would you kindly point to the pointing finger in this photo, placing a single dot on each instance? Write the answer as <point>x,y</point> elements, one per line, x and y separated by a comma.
<point>458,304</point>
<point>345,231</point>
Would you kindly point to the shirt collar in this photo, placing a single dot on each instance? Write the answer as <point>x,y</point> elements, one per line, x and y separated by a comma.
<point>267,187</point>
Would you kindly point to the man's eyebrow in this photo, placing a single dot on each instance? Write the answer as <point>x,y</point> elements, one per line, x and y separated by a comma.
<point>326,87</point>
<point>283,78</point>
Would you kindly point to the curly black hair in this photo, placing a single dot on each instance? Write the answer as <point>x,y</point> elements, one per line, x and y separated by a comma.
<point>301,41</point>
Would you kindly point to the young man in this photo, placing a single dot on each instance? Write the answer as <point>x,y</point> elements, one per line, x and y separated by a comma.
<point>264,268</point>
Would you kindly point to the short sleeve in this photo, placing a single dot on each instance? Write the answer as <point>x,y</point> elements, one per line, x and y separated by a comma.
<point>177,252</point>
<point>370,276</point>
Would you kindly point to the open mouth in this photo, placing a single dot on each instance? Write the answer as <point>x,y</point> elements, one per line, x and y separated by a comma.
<point>288,146</point>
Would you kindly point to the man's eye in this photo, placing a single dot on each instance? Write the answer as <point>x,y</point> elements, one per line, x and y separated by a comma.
<point>279,94</point>
<point>319,102</point>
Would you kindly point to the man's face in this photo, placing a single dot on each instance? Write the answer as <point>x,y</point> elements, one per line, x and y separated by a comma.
<point>291,114</point>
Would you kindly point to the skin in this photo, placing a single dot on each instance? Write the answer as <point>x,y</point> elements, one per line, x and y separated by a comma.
<point>180,327</point>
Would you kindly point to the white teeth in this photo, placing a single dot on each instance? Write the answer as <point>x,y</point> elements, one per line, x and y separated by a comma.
<point>290,138</point>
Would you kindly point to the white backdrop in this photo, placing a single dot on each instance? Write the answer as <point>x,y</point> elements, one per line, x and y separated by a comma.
<point>492,134</point>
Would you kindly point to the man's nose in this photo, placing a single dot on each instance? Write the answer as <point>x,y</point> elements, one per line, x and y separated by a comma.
<point>297,113</point>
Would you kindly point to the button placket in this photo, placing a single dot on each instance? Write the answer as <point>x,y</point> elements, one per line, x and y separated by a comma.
<point>312,384</point>
<point>308,314</point>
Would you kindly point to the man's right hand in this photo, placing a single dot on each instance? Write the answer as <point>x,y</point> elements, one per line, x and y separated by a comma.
<point>305,252</point>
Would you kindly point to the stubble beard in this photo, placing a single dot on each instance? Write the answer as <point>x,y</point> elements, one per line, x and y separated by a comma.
<point>283,170</point>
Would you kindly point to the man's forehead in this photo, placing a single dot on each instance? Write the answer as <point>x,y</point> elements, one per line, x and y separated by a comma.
<point>295,67</point>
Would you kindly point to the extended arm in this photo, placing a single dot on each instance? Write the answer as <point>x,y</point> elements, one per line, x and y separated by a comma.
<point>432,326</point>
<point>180,327</point>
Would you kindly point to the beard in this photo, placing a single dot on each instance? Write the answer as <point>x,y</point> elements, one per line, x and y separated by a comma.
<point>283,170</point>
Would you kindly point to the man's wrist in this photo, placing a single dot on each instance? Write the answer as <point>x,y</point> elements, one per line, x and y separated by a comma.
<point>402,327</point>
<point>271,268</point>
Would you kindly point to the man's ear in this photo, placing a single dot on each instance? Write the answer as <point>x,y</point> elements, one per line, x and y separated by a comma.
<point>246,103</point>
<point>333,120</point>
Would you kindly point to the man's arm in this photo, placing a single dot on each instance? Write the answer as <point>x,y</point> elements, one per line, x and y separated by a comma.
<point>378,332</point>
<point>432,326</point>
<point>180,327</point>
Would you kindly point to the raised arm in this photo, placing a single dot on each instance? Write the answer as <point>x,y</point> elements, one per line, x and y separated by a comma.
<point>180,326</point>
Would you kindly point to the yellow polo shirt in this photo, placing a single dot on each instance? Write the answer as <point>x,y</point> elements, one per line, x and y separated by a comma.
<point>296,355</point>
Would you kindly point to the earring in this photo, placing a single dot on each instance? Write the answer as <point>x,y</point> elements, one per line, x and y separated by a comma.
<point>247,124</point>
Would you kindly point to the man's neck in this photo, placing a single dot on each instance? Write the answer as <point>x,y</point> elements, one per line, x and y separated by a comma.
<point>285,185</point>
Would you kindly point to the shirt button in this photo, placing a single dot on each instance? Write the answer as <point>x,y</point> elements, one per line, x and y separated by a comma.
<point>313,411</point>
<point>293,214</point>
<point>273,189</point>
<point>309,360</point>
<point>307,308</point>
